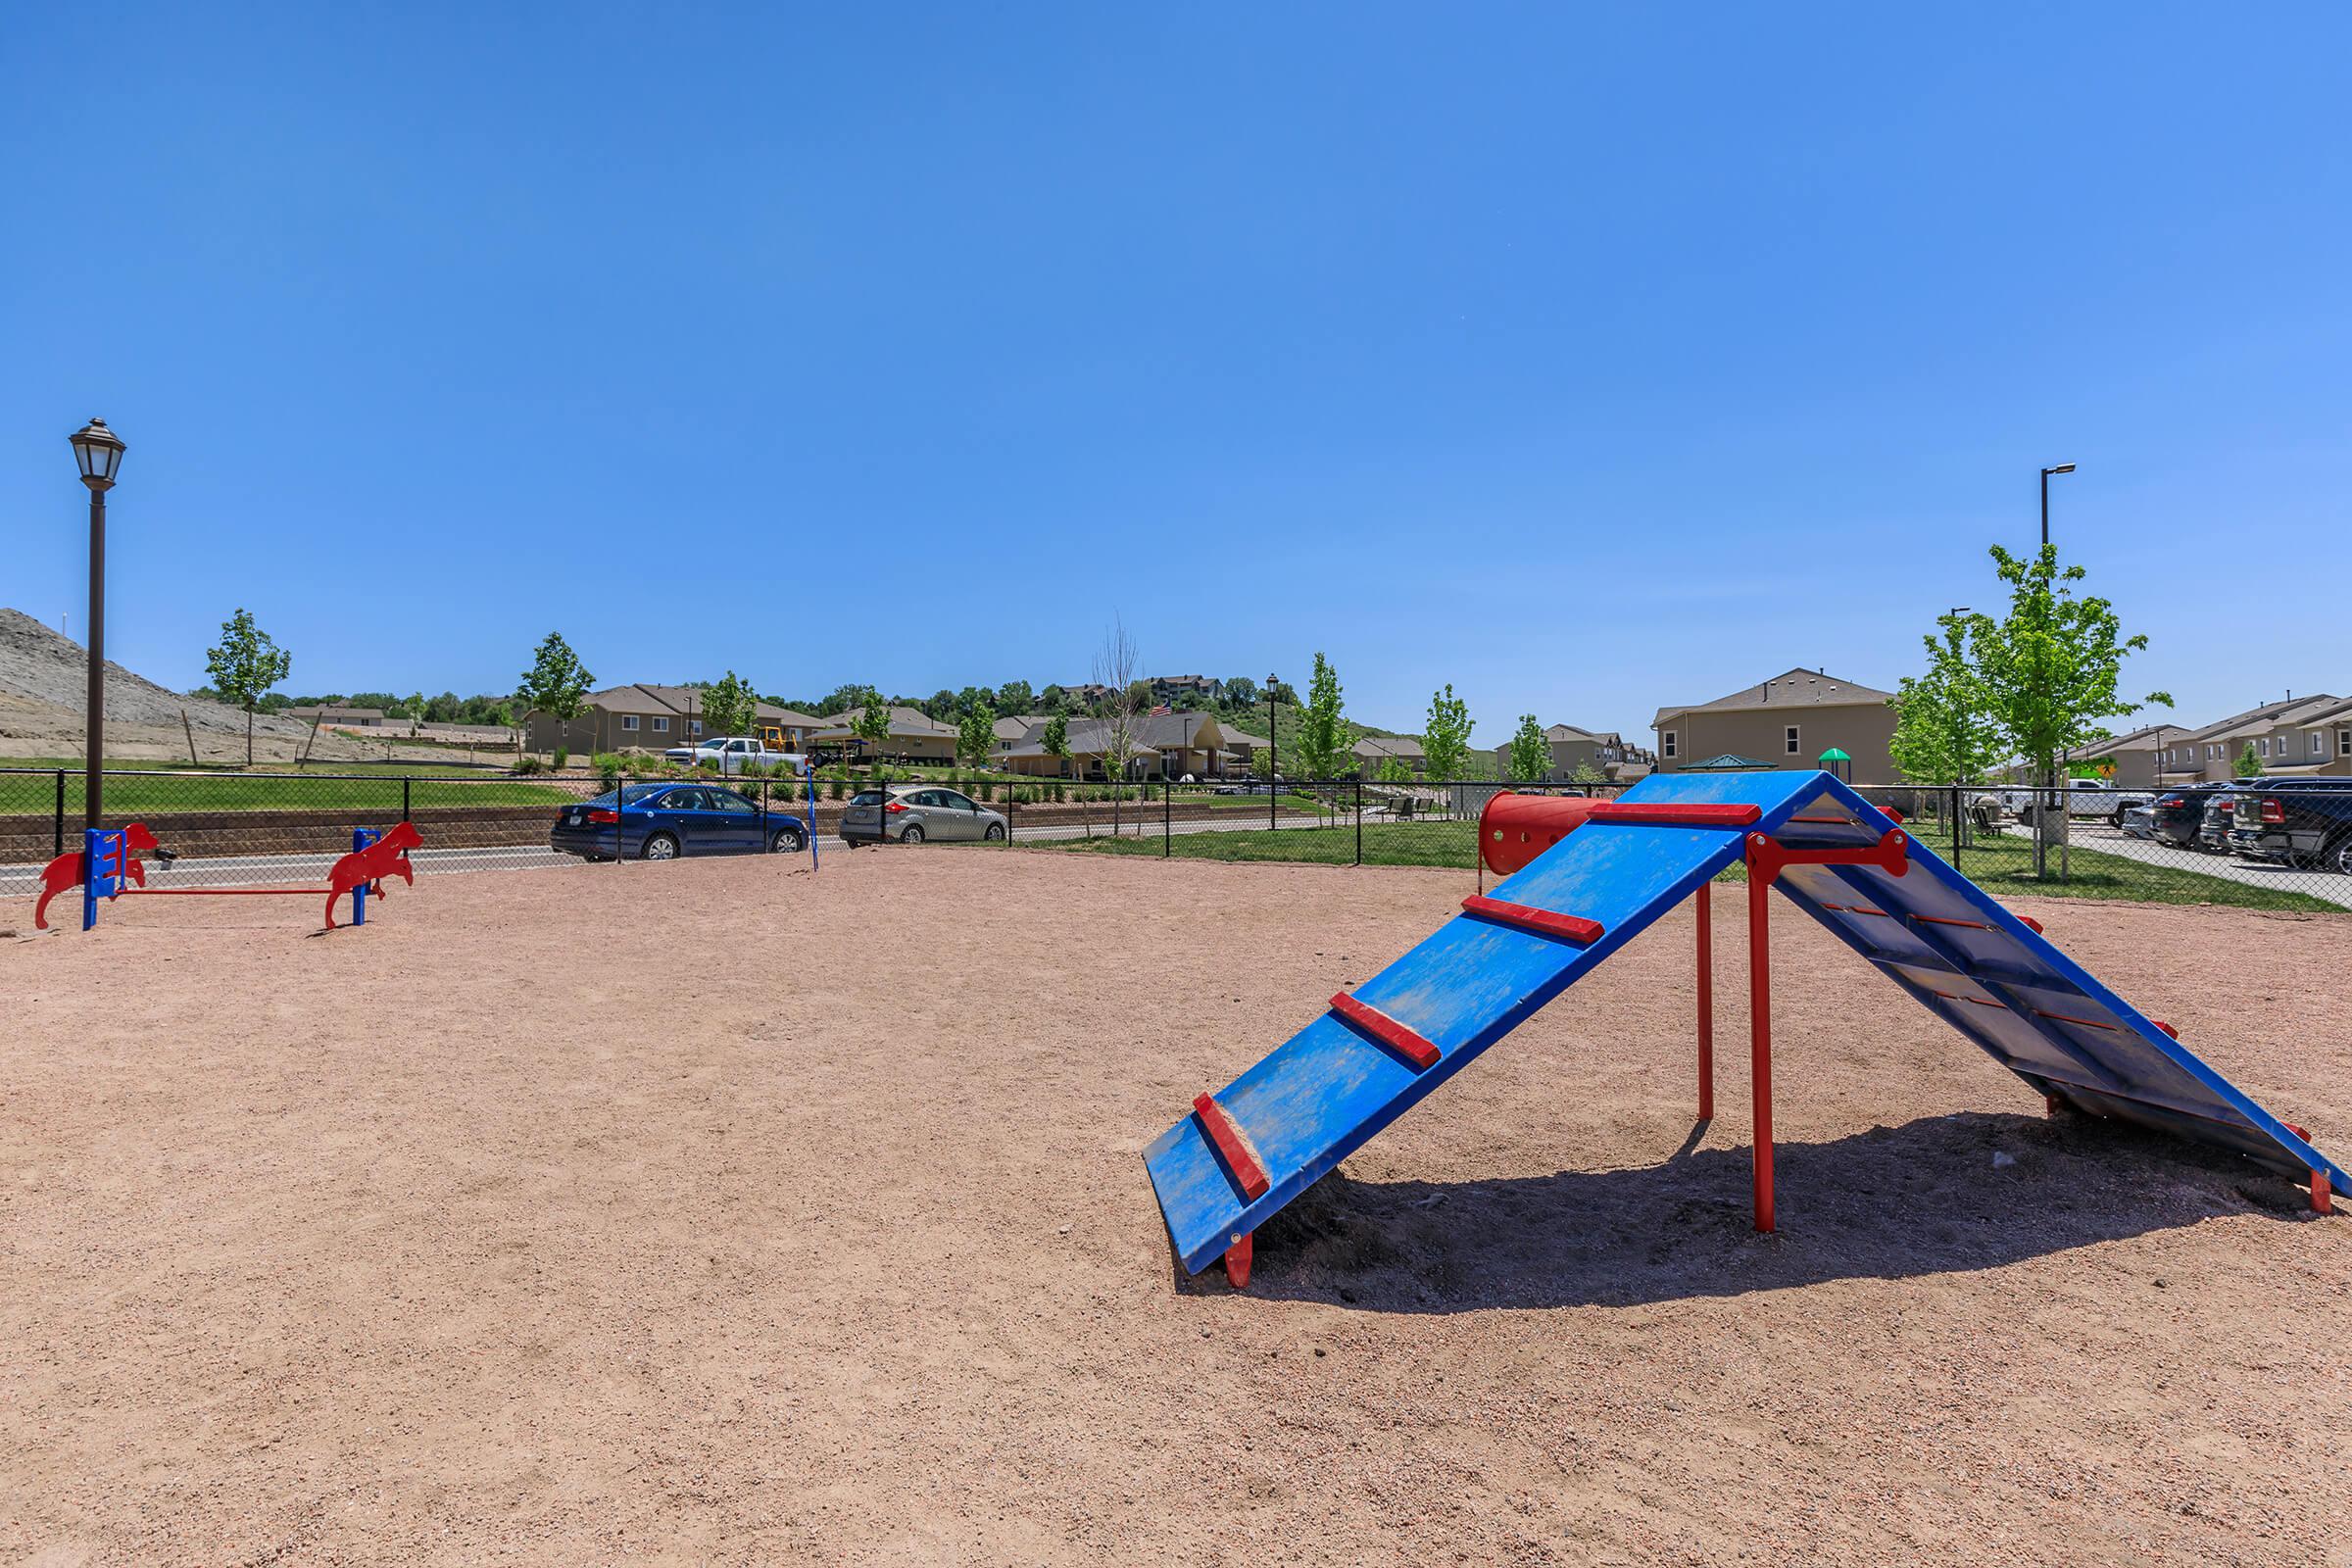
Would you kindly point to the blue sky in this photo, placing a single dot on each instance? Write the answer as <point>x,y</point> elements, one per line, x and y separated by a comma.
<point>1588,359</point>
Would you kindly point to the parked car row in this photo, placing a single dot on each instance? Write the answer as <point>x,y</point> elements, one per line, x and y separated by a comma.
<point>2081,798</point>
<point>2301,823</point>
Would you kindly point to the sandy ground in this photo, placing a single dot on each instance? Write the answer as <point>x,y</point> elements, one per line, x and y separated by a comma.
<point>715,1212</point>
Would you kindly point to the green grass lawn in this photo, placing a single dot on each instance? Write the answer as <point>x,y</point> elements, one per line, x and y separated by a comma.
<point>130,796</point>
<point>2002,865</point>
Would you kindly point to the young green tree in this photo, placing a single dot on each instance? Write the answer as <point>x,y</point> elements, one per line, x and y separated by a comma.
<point>977,735</point>
<point>1445,735</point>
<point>1944,731</point>
<point>554,684</point>
<point>1588,775</point>
<point>1322,738</point>
<point>244,666</point>
<point>1531,754</point>
<point>2249,762</point>
<point>872,723</point>
<point>2051,669</point>
<point>1393,771</point>
<point>729,705</point>
<point>1056,741</point>
<point>1015,697</point>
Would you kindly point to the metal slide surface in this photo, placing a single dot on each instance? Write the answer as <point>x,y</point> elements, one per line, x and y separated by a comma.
<point>1328,1088</point>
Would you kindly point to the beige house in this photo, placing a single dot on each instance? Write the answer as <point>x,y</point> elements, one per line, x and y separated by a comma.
<point>915,737</point>
<point>1373,750</point>
<point>2130,761</point>
<point>334,716</point>
<point>2277,731</point>
<point>1160,746</point>
<point>1242,750</point>
<point>1785,722</point>
<point>2326,738</point>
<point>1601,753</point>
<point>654,719</point>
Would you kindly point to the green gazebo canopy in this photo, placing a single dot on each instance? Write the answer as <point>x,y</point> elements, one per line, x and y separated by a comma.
<point>1833,755</point>
<point>1730,762</point>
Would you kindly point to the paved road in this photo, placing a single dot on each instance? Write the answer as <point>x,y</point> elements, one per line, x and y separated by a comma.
<point>2331,886</point>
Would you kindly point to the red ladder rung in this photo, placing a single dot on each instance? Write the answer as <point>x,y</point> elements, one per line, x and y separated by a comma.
<point>1543,922</point>
<point>1231,1147</point>
<point>1671,813</point>
<point>1399,1038</point>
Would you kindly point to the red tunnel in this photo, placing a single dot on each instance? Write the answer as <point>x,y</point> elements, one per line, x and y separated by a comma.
<point>1514,829</point>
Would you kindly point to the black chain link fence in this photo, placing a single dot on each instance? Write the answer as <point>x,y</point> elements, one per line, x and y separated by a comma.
<point>2276,844</point>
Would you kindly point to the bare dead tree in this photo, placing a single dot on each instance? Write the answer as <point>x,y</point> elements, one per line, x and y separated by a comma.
<point>1117,666</point>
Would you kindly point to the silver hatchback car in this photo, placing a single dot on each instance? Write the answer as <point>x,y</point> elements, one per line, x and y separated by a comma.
<point>910,813</point>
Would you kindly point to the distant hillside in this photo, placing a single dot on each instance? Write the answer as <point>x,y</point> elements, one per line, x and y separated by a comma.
<point>43,676</point>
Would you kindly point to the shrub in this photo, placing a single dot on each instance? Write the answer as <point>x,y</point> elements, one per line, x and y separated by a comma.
<point>560,758</point>
<point>526,763</point>
<point>837,788</point>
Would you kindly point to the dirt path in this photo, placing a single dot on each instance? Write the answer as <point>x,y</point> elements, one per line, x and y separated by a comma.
<point>715,1212</point>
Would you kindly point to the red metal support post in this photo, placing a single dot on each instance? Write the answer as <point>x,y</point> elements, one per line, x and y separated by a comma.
<point>1759,1013</point>
<point>1706,1007</point>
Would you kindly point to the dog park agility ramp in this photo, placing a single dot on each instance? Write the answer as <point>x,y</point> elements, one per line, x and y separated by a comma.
<point>1610,869</point>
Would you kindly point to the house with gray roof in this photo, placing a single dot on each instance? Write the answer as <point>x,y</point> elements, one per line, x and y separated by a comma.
<point>1787,721</point>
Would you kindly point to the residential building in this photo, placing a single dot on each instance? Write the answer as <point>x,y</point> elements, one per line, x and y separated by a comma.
<point>915,736</point>
<point>1372,751</point>
<point>1159,745</point>
<point>653,718</point>
<point>1572,750</point>
<point>2209,754</point>
<point>2130,761</point>
<point>2325,743</point>
<point>1784,723</point>
<point>335,715</point>
<point>1199,688</point>
<point>1242,750</point>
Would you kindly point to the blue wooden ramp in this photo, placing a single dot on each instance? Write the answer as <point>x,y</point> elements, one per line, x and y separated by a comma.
<point>1255,1144</point>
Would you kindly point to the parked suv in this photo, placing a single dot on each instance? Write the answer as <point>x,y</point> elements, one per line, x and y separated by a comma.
<point>2176,815</point>
<point>2300,822</point>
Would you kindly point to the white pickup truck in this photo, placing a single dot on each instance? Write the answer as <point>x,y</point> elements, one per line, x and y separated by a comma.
<point>2082,798</point>
<point>731,753</point>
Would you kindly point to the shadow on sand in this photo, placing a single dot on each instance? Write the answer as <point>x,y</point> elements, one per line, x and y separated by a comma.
<point>1893,1203</point>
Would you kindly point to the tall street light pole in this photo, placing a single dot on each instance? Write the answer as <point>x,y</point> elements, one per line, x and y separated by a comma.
<point>2063,467</point>
<point>2049,760</point>
<point>1273,756</point>
<point>100,453</point>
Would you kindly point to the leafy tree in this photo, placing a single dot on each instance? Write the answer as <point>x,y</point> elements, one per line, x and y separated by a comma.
<point>1445,734</point>
<point>2052,667</point>
<point>729,706</point>
<point>1393,771</point>
<point>1588,775</point>
<point>1529,755</point>
<point>1052,700</point>
<point>1944,732</point>
<point>1241,691</point>
<point>556,683</point>
<point>1322,738</point>
<point>1056,738</point>
<point>942,705</point>
<point>966,700</point>
<point>977,735</point>
<point>416,711</point>
<point>2249,762</point>
<point>244,666</point>
<point>1015,697</point>
<point>872,723</point>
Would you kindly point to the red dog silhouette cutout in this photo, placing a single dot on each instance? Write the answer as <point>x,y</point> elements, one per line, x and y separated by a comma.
<point>69,871</point>
<point>386,857</point>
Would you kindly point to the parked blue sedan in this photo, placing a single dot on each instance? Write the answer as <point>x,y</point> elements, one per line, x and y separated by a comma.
<point>662,821</point>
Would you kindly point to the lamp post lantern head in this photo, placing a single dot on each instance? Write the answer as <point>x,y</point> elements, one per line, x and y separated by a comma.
<point>2063,467</point>
<point>99,451</point>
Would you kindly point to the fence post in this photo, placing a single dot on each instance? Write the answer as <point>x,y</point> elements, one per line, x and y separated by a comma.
<point>1359,821</point>
<point>1168,822</point>
<point>1956,808</point>
<point>404,798</point>
<point>57,825</point>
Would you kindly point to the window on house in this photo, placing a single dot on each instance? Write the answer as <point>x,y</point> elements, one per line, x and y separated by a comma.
<point>628,722</point>
<point>1668,746</point>
<point>661,723</point>
<point>693,726</point>
<point>1794,747</point>
<point>2343,743</point>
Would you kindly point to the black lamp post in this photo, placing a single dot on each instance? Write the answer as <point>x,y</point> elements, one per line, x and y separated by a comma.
<point>1273,756</point>
<point>99,452</point>
<point>2063,467</point>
